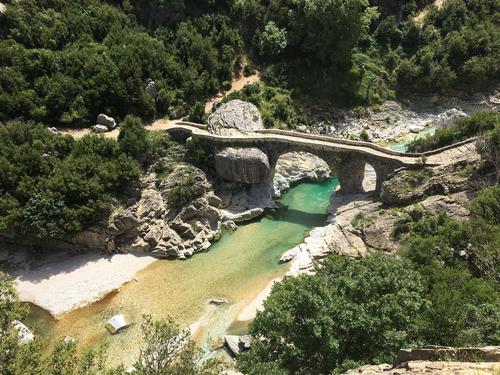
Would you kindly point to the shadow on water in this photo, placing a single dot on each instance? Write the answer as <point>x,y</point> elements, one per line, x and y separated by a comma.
<point>294,216</point>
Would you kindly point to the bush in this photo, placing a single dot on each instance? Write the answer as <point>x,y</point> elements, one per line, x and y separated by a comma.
<point>352,312</point>
<point>53,186</point>
<point>249,70</point>
<point>461,129</point>
<point>133,139</point>
<point>364,135</point>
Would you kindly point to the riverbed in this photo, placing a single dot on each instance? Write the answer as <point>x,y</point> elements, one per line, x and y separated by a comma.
<point>237,269</point>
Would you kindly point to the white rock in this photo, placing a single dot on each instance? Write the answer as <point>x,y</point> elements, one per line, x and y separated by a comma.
<point>289,255</point>
<point>116,323</point>
<point>25,335</point>
<point>106,121</point>
<point>233,342</point>
<point>99,129</point>
<point>416,128</point>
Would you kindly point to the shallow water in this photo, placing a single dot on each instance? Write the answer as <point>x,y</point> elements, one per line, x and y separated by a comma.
<point>402,146</point>
<point>235,268</point>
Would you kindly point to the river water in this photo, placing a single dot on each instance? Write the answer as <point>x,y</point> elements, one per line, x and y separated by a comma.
<point>236,268</point>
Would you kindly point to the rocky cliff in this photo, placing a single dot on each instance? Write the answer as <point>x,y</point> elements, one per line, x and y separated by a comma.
<point>359,223</point>
<point>438,360</point>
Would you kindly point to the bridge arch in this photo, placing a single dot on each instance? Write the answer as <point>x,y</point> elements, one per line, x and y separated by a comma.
<point>346,158</point>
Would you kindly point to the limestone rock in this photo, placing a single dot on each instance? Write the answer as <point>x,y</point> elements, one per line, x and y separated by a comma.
<point>242,216</point>
<point>2,8</point>
<point>99,128</point>
<point>297,166</point>
<point>246,165</point>
<point>151,87</point>
<point>230,225</point>
<point>289,255</point>
<point>408,186</point>
<point>93,238</point>
<point>429,367</point>
<point>238,344</point>
<point>416,128</point>
<point>199,184</point>
<point>151,204</point>
<point>448,117</point>
<point>107,121</point>
<point>235,116</point>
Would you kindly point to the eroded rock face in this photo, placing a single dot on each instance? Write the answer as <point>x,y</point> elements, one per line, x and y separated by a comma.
<point>298,166</point>
<point>246,165</point>
<point>408,186</point>
<point>235,116</point>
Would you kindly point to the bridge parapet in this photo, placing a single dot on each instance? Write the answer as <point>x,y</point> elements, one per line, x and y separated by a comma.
<point>347,158</point>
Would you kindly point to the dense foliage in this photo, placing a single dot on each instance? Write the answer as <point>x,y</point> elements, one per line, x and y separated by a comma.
<point>166,350</point>
<point>443,290</point>
<point>454,47</point>
<point>275,104</point>
<point>63,62</point>
<point>461,129</point>
<point>52,186</point>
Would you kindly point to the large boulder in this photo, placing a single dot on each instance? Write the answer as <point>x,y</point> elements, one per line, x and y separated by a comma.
<point>246,165</point>
<point>106,121</point>
<point>235,117</point>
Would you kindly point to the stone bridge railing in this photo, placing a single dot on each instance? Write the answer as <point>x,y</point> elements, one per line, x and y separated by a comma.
<point>346,157</point>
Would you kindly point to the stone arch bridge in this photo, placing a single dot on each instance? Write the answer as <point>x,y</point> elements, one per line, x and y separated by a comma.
<point>345,158</point>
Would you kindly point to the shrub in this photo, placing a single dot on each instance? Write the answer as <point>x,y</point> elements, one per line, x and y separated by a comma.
<point>133,138</point>
<point>249,70</point>
<point>352,312</point>
<point>53,186</point>
<point>461,129</point>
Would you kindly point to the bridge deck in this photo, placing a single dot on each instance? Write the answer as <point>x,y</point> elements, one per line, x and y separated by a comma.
<point>436,157</point>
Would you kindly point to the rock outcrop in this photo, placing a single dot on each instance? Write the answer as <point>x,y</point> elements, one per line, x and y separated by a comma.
<point>407,186</point>
<point>298,166</point>
<point>438,360</point>
<point>235,116</point>
<point>246,165</point>
<point>428,367</point>
<point>357,225</point>
<point>106,121</point>
<point>153,225</point>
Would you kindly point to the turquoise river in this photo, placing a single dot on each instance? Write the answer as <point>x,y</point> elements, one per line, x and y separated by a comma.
<point>237,268</point>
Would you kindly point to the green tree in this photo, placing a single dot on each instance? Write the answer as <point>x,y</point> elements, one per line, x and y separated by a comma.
<point>328,30</point>
<point>133,138</point>
<point>273,40</point>
<point>352,312</point>
<point>168,350</point>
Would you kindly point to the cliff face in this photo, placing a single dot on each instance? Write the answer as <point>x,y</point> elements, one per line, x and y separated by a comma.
<point>358,224</point>
<point>438,360</point>
<point>246,165</point>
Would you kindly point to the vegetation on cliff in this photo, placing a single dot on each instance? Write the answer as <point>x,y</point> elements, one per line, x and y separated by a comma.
<point>64,62</point>
<point>53,186</point>
<point>442,290</point>
<point>485,123</point>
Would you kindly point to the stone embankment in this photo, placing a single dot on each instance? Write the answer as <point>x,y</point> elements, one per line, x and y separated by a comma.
<point>438,360</point>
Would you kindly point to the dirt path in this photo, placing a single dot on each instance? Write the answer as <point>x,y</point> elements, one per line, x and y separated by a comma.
<point>419,18</point>
<point>161,124</point>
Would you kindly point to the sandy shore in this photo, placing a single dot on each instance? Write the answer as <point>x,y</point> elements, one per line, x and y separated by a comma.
<point>77,281</point>
<point>250,311</point>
